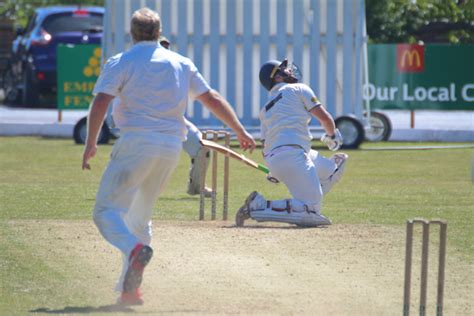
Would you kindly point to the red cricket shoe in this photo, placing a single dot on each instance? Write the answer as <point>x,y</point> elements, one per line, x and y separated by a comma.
<point>134,298</point>
<point>139,258</point>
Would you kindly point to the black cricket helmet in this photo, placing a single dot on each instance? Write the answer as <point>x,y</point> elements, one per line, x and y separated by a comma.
<point>268,71</point>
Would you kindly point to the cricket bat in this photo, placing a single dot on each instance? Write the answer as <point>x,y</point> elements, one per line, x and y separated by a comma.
<point>233,154</point>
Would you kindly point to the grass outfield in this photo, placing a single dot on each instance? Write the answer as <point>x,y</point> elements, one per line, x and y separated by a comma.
<point>41,179</point>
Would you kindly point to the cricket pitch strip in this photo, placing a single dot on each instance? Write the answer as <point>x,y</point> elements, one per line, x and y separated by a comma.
<point>216,268</point>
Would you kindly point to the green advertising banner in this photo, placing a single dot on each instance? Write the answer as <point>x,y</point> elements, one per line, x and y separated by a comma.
<point>78,67</point>
<point>436,77</point>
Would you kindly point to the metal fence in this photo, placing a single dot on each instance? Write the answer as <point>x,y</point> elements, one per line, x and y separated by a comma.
<point>229,40</point>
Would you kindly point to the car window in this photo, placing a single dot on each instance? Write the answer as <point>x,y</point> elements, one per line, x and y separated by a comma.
<point>70,22</point>
<point>31,23</point>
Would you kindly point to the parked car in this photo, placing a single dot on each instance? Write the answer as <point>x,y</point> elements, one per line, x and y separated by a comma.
<point>32,67</point>
<point>80,132</point>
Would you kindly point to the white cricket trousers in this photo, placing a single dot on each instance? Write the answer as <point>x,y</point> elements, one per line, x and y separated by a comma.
<point>140,166</point>
<point>302,174</point>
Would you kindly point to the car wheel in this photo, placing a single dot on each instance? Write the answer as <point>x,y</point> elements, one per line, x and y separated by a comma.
<point>10,88</point>
<point>30,96</point>
<point>352,131</point>
<point>380,127</point>
<point>80,132</point>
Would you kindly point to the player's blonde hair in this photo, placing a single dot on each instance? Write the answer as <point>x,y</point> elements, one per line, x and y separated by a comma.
<point>145,25</point>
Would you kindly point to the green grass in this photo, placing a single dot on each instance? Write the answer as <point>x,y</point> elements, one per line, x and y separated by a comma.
<point>27,280</point>
<point>42,179</point>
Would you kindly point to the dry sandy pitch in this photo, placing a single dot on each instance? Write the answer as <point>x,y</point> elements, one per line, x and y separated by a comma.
<point>216,268</point>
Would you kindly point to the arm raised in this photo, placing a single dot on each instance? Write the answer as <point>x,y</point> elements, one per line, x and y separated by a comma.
<point>224,112</point>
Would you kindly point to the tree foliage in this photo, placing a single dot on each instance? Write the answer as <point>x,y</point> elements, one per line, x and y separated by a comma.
<point>411,21</point>
<point>388,21</point>
<point>20,10</point>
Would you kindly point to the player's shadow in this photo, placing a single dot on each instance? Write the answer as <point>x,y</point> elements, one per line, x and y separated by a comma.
<point>186,198</point>
<point>107,309</point>
<point>269,226</point>
<point>115,308</point>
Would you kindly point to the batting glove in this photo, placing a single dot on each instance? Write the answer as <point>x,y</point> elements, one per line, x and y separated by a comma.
<point>333,142</point>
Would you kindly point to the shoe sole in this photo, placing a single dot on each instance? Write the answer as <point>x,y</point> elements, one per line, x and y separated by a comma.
<point>341,165</point>
<point>339,159</point>
<point>134,275</point>
<point>123,301</point>
<point>240,217</point>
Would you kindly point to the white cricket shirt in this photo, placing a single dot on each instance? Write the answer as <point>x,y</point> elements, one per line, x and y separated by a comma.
<point>153,85</point>
<point>284,120</point>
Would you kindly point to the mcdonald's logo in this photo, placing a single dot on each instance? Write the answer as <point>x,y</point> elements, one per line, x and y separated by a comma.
<point>410,58</point>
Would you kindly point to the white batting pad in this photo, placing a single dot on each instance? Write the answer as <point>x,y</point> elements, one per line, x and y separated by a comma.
<point>301,218</point>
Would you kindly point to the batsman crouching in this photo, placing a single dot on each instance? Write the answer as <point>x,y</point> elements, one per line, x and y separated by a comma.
<point>153,85</point>
<point>287,150</point>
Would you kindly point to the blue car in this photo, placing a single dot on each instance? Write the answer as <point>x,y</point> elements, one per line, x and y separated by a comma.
<point>32,68</point>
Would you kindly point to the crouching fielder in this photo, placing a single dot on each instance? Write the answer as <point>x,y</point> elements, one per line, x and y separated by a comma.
<point>287,150</point>
<point>193,147</point>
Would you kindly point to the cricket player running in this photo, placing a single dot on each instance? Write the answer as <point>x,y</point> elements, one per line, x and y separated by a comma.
<point>153,85</point>
<point>287,150</point>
